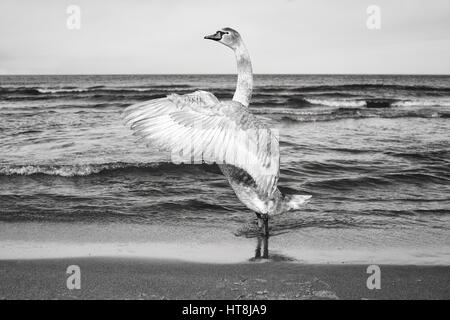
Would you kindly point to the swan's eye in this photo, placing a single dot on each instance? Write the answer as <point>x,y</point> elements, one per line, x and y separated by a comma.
<point>221,33</point>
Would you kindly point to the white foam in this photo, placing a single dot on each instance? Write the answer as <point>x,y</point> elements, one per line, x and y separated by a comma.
<point>67,170</point>
<point>63,171</point>
<point>42,90</point>
<point>422,103</point>
<point>337,102</point>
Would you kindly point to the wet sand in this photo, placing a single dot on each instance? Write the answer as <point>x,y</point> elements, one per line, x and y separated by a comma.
<point>21,241</point>
<point>127,278</point>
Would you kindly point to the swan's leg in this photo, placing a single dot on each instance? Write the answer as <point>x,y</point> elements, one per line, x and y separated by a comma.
<point>260,221</point>
<point>258,248</point>
<point>263,223</point>
<point>266,225</point>
<point>266,247</point>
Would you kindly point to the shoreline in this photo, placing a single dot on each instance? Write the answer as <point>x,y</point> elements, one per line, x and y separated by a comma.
<point>156,279</point>
<point>238,252</point>
<point>19,241</point>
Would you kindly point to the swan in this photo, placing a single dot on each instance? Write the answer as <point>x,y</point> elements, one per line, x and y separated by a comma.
<point>223,132</point>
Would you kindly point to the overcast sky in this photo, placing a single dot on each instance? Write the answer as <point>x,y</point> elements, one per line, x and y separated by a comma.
<point>166,36</point>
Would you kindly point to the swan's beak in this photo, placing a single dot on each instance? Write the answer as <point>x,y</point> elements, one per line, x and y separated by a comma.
<point>216,36</point>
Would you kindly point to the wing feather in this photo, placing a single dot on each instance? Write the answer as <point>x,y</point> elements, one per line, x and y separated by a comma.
<point>200,127</point>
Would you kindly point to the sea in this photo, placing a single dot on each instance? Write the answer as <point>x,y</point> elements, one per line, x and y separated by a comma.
<point>372,150</point>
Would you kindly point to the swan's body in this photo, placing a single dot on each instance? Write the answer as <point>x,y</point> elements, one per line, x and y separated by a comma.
<point>204,129</point>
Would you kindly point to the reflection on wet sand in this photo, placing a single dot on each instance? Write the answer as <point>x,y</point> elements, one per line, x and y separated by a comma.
<point>262,251</point>
<point>264,240</point>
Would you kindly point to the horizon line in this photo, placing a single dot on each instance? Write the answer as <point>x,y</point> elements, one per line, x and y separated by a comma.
<point>225,74</point>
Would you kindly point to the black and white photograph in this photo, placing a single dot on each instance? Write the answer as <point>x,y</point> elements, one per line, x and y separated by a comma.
<point>239,151</point>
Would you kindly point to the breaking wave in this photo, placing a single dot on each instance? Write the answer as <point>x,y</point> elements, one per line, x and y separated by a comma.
<point>337,103</point>
<point>79,170</point>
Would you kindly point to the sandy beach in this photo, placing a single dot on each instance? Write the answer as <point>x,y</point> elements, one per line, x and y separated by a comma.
<point>114,278</point>
<point>119,261</point>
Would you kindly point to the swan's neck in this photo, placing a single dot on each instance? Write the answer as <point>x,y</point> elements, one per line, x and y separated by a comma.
<point>244,86</point>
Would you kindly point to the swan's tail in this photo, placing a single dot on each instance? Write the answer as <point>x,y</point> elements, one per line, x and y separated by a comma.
<point>295,201</point>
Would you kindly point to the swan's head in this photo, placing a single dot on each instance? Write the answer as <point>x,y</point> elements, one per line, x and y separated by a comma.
<point>227,36</point>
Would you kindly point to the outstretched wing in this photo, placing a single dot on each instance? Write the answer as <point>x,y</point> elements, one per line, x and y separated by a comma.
<point>198,127</point>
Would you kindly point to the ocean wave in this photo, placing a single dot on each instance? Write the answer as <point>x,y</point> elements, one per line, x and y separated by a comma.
<point>337,103</point>
<point>312,115</point>
<point>377,181</point>
<point>354,113</point>
<point>356,102</point>
<point>80,170</point>
<point>422,103</point>
<point>42,90</point>
<point>351,87</point>
<point>338,90</point>
<point>276,111</point>
<point>19,90</point>
<point>379,102</point>
<point>433,155</point>
<point>307,101</point>
<point>93,89</point>
<point>57,170</point>
<point>364,86</point>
